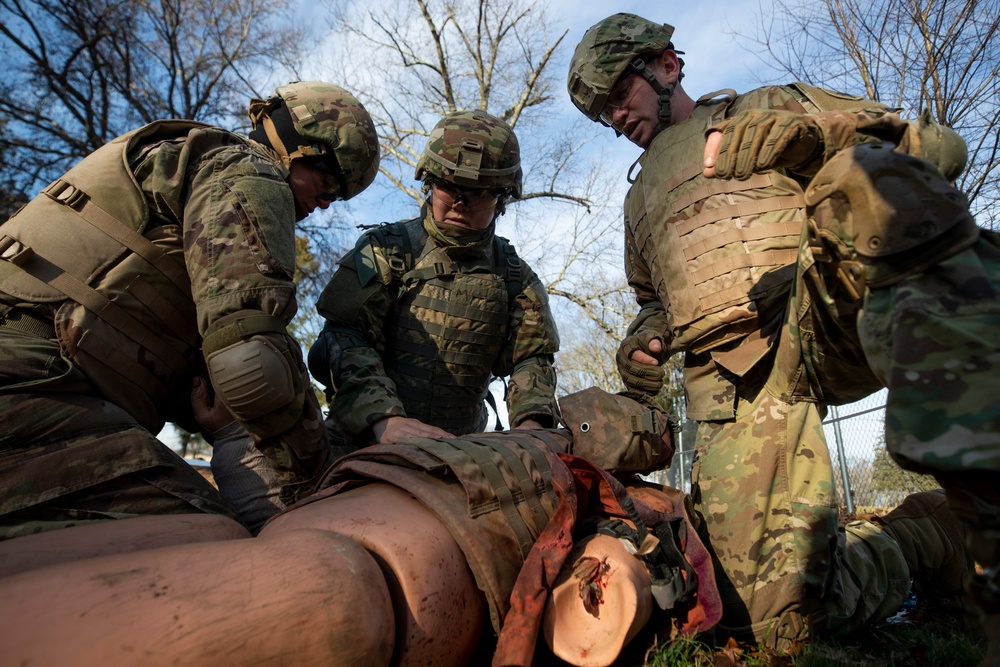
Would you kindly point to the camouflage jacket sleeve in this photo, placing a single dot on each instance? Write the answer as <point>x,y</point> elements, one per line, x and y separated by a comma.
<point>359,390</point>
<point>528,356</point>
<point>238,221</point>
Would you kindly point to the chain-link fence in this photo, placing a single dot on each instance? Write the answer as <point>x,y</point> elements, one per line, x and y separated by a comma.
<point>867,479</point>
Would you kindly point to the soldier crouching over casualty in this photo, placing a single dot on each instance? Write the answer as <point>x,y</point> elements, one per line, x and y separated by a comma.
<point>803,248</point>
<point>411,555</point>
<point>423,313</point>
<point>165,254</point>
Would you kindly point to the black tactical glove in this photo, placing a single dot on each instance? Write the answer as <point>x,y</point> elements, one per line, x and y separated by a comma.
<point>643,378</point>
<point>755,141</point>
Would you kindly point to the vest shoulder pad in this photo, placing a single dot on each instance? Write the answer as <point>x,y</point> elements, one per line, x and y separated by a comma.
<point>383,252</point>
<point>825,99</point>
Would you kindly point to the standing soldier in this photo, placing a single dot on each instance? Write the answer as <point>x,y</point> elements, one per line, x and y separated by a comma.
<point>165,254</point>
<point>421,314</point>
<point>768,325</point>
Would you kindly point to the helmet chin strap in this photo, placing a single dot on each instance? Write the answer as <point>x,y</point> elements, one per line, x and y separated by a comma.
<point>664,91</point>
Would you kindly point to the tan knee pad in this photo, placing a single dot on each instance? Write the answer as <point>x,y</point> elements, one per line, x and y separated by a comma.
<point>897,212</point>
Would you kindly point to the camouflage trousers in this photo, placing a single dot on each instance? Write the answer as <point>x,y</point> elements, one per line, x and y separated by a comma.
<point>934,339</point>
<point>764,485</point>
<point>68,459</point>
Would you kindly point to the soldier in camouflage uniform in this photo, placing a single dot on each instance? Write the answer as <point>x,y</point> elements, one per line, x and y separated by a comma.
<point>730,272</point>
<point>421,314</point>
<point>165,255</point>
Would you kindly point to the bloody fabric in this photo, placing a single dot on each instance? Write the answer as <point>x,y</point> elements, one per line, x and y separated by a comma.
<point>584,490</point>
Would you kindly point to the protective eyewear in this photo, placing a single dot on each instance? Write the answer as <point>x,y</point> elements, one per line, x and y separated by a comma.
<point>330,189</point>
<point>473,200</point>
<point>619,97</point>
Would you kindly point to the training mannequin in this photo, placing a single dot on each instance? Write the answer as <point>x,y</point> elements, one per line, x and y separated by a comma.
<point>372,574</point>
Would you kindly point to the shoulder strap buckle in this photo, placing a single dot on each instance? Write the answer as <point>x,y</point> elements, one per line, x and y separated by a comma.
<point>65,193</point>
<point>14,251</point>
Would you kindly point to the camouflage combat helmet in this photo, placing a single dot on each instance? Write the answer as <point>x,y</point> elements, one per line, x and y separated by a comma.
<point>323,124</point>
<point>610,49</point>
<point>472,149</point>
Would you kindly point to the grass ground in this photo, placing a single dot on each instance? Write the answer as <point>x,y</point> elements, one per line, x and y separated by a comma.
<point>888,644</point>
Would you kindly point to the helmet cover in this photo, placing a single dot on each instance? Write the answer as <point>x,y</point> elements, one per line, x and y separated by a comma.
<point>605,52</point>
<point>334,131</point>
<point>472,149</point>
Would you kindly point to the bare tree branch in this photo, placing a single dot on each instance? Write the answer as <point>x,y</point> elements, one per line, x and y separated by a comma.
<point>80,72</point>
<point>915,54</point>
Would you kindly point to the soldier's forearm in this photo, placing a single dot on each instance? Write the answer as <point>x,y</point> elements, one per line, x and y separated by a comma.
<point>652,317</point>
<point>531,392</point>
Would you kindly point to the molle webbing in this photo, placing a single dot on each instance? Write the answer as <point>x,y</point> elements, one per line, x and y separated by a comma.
<point>74,288</point>
<point>460,310</point>
<point>734,262</point>
<point>399,254</point>
<point>740,210</point>
<point>496,478</point>
<point>448,323</point>
<point>709,295</point>
<point>744,234</point>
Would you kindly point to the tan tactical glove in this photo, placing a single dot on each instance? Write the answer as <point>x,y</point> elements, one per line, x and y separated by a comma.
<point>755,141</point>
<point>643,378</point>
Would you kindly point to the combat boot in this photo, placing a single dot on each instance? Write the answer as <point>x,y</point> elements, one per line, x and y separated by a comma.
<point>932,540</point>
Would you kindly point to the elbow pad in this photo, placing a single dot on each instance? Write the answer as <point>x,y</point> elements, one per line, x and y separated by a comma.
<point>252,377</point>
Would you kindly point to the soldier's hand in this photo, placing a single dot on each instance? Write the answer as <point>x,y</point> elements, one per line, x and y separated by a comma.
<point>755,141</point>
<point>209,411</point>
<point>639,358</point>
<point>393,429</point>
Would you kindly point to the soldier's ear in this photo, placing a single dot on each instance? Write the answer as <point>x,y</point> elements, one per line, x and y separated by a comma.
<point>671,65</point>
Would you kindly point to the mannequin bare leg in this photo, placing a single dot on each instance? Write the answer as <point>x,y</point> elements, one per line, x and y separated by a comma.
<point>304,597</point>
<point>110,537</point>
<point>440,611</point>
